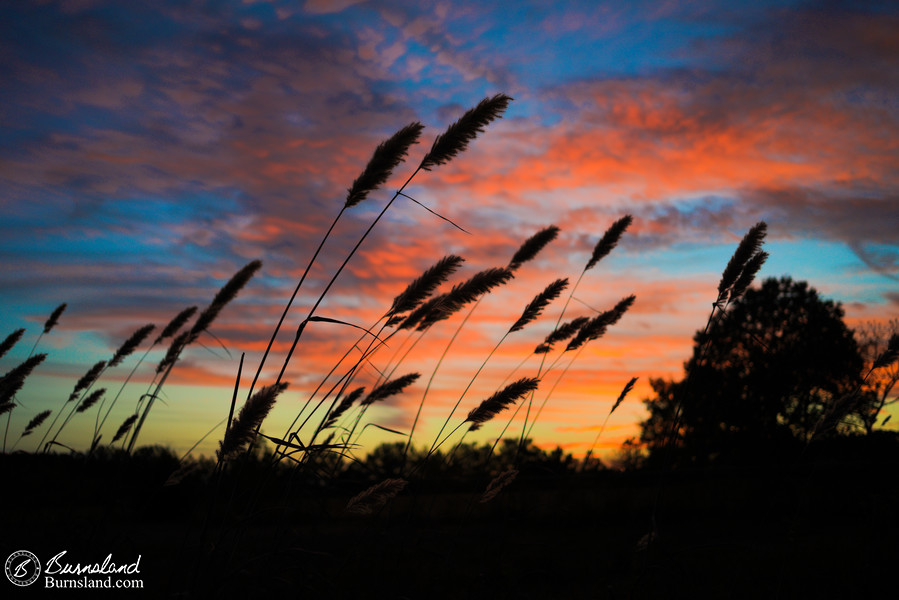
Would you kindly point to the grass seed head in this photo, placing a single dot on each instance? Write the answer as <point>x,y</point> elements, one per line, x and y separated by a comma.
<point>458,135</point>
<point>223,297</point>
<point>387,156</point>
<point>465,293</point>
<point>535,307</point>
<point>609,240</point>
<point>11,340</point>
<point>174,351</point>
<point>748,247</point>
<point>376,497</point>
<point>13,380</point>
<point>131,344</point>
<point>596,327</point>
<point>750,269</point>
<point>87,379</point>
<point>390,388</point>
<point>420,318</point>
<point>498,402</point>
<point>124,428</point>
<point>345,403</point>
<point>249,418</point>
<point>36,422</point>
<point>499,482</point>
<point>562,333</point>
<point>532,246</point>
<point>90,400</point>
<point>176,323</point>
<point>417,291</point>
<point>54,318</point>
<point>627,388</point>
<point>888,356</point>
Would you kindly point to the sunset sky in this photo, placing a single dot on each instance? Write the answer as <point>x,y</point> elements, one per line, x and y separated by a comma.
<point>150,150</point>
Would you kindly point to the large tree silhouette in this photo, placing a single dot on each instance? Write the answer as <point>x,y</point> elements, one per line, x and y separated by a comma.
<point>759,380</point>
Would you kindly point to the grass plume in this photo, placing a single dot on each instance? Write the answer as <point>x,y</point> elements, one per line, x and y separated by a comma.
<point>13,380</point>
<point>176,324</point>
<point>387,156</point>
<point>627,389</point>
<point>532,246</point>
<point>422,287</point>
<point>423,312</point>
<point>496,403</point>
<point>562,333</point>
<point>609,240</point>
<point>750,270</point>
<point>87,380</point>
<point>54,318</point>
<point>376,497</point>
<point>344,405</point>
<point>464,293</point>
<point>124,428</point>
<point>535,307</point>
<point>749,247</point>
<point>497,484</point>
<point>624,392</point>
<point>11,340</point>
<point>596,327</point>
<point>49,324</point>
<point>36,422</point>
<point>223,297</point>
<point>889,355</point>
<point>390,388</point>
<point>174,351</point>
<point>131,344</point>
<point>243,429</point>
<point>90,400</point>
<point>458,135</point>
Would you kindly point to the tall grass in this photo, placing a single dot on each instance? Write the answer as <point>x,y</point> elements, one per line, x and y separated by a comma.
<point>416,312</point>
<point>332,409</point>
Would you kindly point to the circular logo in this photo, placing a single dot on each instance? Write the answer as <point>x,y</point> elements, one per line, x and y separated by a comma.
<point>22,568</point>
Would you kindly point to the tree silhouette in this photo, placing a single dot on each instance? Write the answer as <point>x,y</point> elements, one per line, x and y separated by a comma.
<point>469,461</point>
<point>759,379</point>
<point>873,338</point>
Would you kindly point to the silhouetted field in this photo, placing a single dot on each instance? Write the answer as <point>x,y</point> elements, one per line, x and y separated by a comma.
<point>823,524</point>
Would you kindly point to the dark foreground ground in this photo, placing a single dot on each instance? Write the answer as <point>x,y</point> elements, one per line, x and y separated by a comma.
<point>819,527</point>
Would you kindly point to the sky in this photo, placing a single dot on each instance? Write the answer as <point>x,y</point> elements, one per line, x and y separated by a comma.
<point>150,150</point>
